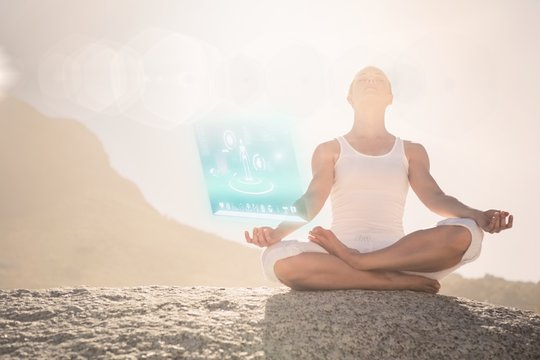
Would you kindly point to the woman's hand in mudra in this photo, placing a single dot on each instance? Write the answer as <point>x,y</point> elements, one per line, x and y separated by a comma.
<point>263,236</point>
<point>494,221</point>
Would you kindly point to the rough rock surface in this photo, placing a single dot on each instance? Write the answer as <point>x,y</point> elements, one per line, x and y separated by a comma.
<point>256,323</point>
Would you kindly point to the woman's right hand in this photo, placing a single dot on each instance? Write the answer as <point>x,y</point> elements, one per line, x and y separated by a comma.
<point>263,236</point>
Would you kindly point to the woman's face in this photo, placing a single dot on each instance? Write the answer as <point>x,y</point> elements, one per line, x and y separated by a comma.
<point>370,85</point>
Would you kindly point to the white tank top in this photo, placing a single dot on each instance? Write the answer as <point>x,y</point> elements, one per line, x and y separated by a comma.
<point>369,192</point>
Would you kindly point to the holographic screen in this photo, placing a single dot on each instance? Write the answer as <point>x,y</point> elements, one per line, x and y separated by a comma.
<point>250,167</point>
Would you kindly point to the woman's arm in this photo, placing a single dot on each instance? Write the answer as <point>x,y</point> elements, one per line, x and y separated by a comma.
<point>309,204</point>
<point>436,200</point>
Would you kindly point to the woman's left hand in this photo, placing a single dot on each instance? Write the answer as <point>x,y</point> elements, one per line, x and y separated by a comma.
<point>494,221</point>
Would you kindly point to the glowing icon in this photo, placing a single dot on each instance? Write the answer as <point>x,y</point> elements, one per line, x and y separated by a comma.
<point>248,182</point>
<point>258,162</point>
<point>229,138</point>
<point>245,162</point>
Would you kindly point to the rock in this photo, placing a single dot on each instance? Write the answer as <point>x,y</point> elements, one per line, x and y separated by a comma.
<point>260,323</point>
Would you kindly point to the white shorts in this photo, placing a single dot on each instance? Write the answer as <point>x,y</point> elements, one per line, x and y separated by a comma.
<point>368,243</point>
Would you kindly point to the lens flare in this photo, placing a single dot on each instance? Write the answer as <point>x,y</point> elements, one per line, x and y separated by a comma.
<point>7,75</point>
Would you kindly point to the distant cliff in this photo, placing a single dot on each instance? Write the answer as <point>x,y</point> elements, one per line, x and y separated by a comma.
<point>494,290</point>
<point>67,218</point>
<point>259,323</point>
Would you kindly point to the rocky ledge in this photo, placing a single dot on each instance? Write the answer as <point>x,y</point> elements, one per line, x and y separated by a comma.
<point>257,323</point>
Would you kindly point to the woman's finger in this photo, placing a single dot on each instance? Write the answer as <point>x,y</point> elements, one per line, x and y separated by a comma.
<point>491,225</point>
<point>262,242</point>
<point>496,223</point>
<point>507,223</point>
<point>510,221</point>
<point>270,236</point>
<point>248,238</point>
<point>504,220</point>
<point>265,237</point>
<point>256,237</point>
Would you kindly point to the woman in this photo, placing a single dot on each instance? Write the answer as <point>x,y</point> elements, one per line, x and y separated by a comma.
<point>367,173</point>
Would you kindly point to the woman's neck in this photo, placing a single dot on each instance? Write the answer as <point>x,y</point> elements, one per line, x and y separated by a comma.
<point>369,124</point>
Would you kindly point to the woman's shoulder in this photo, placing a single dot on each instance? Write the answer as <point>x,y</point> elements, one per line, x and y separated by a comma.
<point>331,145</point>
<point>414,149</point>
<point>329,148</point>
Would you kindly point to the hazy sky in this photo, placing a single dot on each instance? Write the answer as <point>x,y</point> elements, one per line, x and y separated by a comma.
<point>465,78</point>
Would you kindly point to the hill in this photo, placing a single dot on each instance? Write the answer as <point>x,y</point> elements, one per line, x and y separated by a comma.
<point>494,290</point>
<point>67,218</point>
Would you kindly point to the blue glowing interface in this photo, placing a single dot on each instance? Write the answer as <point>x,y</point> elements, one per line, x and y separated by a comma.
<point>250,167</point>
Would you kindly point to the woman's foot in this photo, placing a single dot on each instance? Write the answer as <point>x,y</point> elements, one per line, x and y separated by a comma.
<point>400,281</point>
<point>329,241</point>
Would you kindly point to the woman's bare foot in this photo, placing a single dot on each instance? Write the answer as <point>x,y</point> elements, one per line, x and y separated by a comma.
<point>413,282</point>
<point>329,241</point>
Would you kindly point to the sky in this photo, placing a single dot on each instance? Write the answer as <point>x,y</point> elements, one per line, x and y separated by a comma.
<point>139,74</point>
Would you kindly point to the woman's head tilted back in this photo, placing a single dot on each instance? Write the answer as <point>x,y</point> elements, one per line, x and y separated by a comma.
<point>370,87</point>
